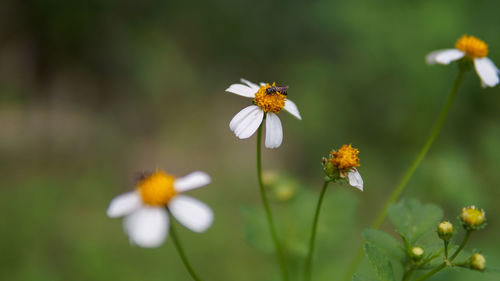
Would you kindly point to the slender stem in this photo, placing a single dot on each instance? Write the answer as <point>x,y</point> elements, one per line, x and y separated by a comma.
<point>277,244</point>
<point>446,242</point>
<point>183,256</point>
<point>462,245</point>
<point>409,172</point>
<point>307,272</point>
<point>444,264</point>
<point>408,273</point>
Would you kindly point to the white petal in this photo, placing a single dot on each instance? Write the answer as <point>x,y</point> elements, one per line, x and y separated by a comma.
<point>247,121</point>
<point>355,179</point>
<point>191,181</point>
<point>292,109</point>
<point>242,90</point>
<point>487,71</point>
<point>250,84</point>
<point>444,56</point>
<point>124,204</point>
<point>274,131</point>
<point>147,227</point>
<point>192,213</point>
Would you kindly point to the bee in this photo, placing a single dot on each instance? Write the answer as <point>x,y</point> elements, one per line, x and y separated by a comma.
<point>273,89</point>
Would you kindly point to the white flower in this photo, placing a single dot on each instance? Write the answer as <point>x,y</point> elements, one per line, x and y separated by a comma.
<point>145,209</point>
<point>471,48</point>
<point>267,99</point>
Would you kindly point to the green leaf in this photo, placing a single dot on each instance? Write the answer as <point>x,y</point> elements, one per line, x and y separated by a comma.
<point>385,242</point>
<point>412,219</point>
<point>357,277</point>
<point>255,229</point>
<point>380,262</point>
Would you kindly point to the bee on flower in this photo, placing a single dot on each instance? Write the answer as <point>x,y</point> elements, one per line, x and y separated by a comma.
<point>342,164</point>
<point>268,101</point>
<point>146,209</point>
<point>471,49</point>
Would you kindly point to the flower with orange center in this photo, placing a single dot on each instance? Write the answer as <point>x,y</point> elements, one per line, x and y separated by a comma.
<point>268,100</point>
<point>146,208</point>
<point>342,163</point>
<point>472,49</point>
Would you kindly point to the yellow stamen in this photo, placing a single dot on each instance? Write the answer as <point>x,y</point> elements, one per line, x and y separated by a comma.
<point>472,46</point>
<point>345,158</point>
<point>273,102</point>
<point>157,189</point>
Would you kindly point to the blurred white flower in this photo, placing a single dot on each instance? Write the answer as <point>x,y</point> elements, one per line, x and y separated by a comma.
<point>145,209</point>
<point>267,99</point>
<point>471,48</point>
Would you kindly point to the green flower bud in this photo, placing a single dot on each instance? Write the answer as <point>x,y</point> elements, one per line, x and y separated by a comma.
<point>284,192</point>
<point>445,230</point>
<point>477,262</point>
<point>417,253</point>
<point>473,218</point>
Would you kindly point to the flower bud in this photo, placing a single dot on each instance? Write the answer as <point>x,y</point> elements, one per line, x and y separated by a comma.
<point>417,253</point>
<point>284,191</point>
<point>445,230</point>
<point>473,218</point>
<point>477,262</point>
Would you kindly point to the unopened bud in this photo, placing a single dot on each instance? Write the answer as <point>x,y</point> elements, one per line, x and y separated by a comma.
<point>417,253</point>
<point>477,262</point>
<point>445,230</point>
<point>473,218</point>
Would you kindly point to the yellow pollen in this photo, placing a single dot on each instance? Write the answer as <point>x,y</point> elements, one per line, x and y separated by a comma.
<point>157,189</point>
<point>472,46</point>
<point>269,102</point>
<point>345,158</point>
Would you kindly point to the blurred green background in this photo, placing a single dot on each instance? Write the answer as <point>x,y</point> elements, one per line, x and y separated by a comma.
<point>92,92</point>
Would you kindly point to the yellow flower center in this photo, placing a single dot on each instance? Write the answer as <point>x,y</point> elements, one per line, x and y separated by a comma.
<point>156,189</point>
<point>472,216</point>
<point>472,46</point>
<point>345,158</point>
<point>272,102</point>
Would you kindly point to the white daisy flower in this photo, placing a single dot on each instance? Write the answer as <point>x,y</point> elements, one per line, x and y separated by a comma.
<point>268,100</point>
<point>145,209</point>
<point>473,49</point>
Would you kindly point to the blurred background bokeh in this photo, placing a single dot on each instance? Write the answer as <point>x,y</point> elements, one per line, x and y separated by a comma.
<point>92,92</point>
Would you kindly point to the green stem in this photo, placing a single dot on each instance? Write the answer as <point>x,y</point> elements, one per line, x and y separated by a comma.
<point>183,256</point>
<point>408,274</point>
<point>462,245</point>
<point>307,272</point>
<point>444,264</point>
<point>409,172</point>
<point>446,242</point>
<point>277,245</point>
